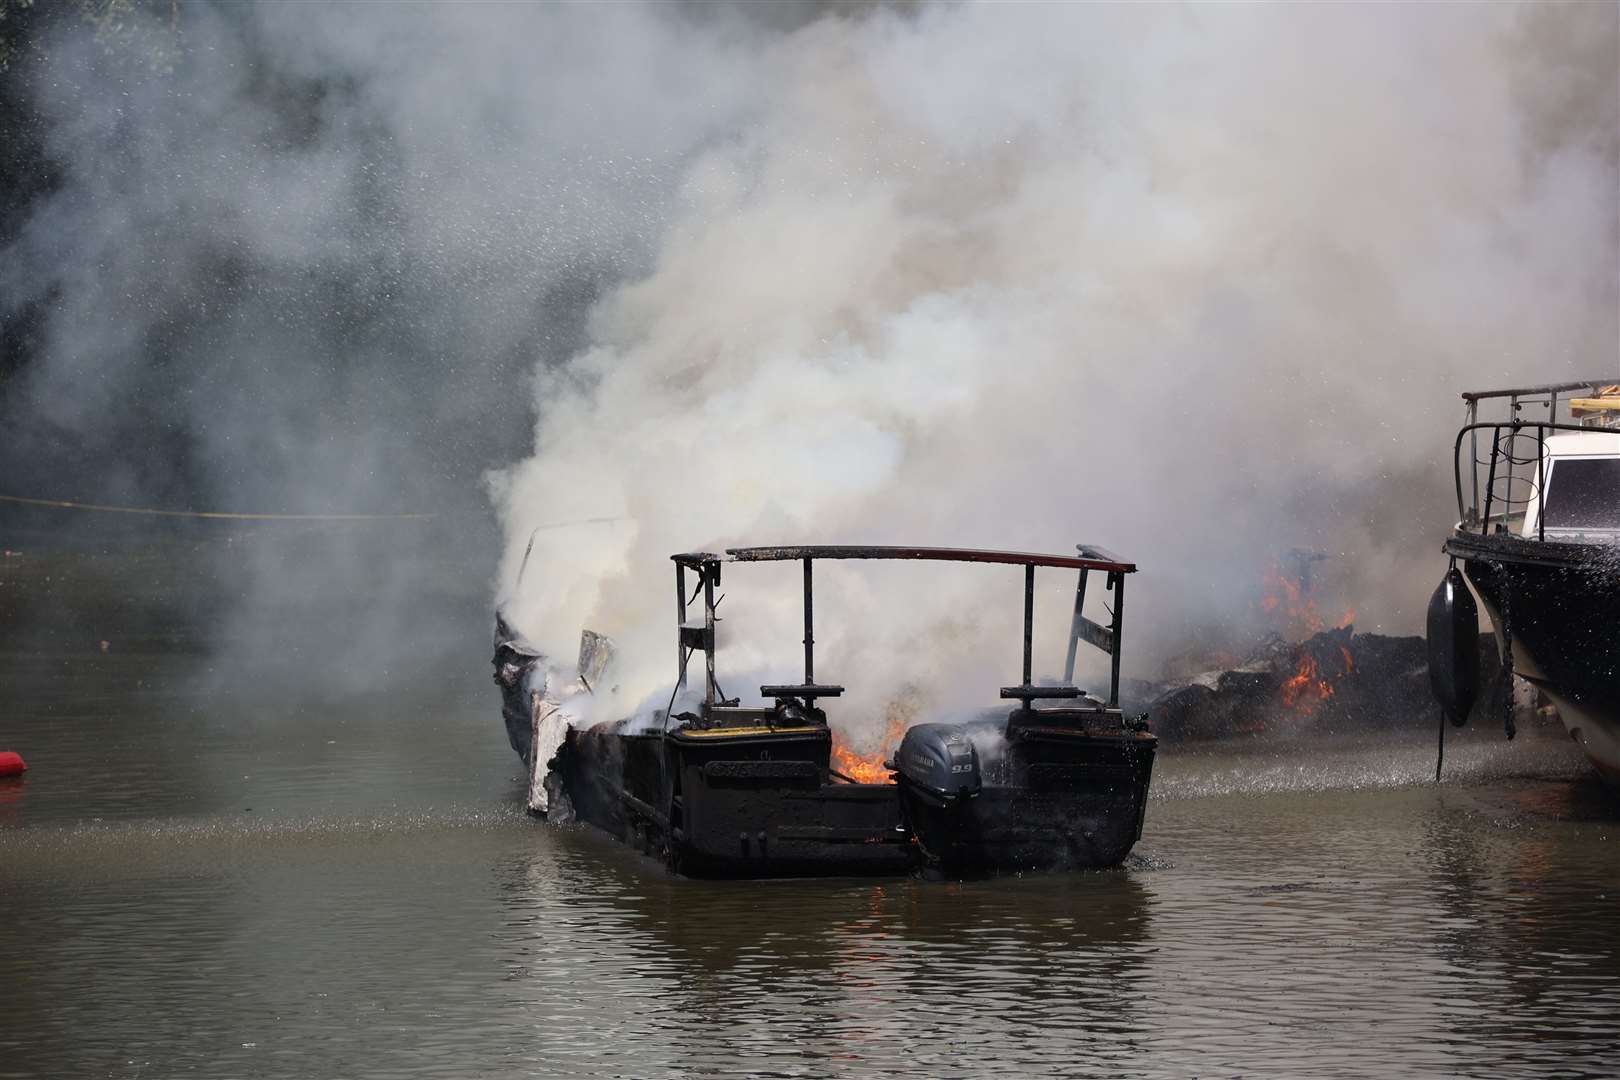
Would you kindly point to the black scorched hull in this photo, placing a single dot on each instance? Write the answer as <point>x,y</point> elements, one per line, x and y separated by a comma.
<point>757,803</point>
<point>735,803</point>
<point>1059,799</point>
<point>1555,608</point>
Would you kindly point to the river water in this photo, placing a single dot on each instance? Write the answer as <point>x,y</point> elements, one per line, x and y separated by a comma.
<point>200,879</point>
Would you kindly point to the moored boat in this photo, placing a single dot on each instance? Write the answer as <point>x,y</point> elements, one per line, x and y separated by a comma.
<point>1538,541</point>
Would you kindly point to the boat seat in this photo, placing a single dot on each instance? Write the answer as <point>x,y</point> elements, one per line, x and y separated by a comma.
<point>807,691</point>
<point>1033,693</point>
<point>1095,717</point>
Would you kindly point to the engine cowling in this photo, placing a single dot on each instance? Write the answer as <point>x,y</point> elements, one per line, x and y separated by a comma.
<point>939,760</point>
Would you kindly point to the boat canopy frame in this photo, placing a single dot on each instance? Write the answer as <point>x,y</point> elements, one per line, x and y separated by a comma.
<point>1089,559</point>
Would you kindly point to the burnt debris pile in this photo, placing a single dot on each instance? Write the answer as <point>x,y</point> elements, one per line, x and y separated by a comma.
<point>1333,680</point>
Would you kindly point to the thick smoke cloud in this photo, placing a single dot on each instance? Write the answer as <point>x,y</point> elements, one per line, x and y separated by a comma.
<point>305,259</point>
<point>1199,284</point>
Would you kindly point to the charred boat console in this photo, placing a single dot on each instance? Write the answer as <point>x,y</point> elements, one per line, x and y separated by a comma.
<point>726,789</point>
<point>1063,784</point>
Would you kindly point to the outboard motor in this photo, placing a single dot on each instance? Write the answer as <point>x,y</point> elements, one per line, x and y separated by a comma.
<point>938,763</point>
<point>1454,647</point>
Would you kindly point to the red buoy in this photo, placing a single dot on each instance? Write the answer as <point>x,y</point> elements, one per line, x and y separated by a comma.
<point>11,764</point>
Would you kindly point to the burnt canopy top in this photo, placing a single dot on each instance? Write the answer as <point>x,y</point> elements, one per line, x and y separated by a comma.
<point>1089,557</point>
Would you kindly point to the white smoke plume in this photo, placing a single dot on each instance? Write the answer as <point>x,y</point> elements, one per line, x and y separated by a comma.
<point>1198,284</point>
<point>292,258</point>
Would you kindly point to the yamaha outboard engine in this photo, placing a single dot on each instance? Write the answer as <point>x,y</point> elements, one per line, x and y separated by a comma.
<point>1454,647</point>
<point>938,763</point>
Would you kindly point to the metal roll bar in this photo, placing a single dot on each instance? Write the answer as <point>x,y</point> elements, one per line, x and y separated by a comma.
<point>1089,558</point>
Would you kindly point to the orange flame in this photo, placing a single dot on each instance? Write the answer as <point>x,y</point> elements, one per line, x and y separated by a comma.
<point>1287,599</point>
<point>1290,602</point>
<point>1308,687</point>
<point>861,768</point>
<point>868,768</point>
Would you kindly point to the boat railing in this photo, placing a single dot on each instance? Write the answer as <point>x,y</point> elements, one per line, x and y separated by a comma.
<point>1512,455</point>
<point>1506,472</point>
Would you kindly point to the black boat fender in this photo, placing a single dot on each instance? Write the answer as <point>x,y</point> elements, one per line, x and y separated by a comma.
<point>1454,647</point>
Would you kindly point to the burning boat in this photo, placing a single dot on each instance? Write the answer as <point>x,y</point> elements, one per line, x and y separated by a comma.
<point>725,789</point>
<point>1538,539</point>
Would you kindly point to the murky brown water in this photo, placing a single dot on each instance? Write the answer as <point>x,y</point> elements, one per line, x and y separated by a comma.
<point>209,884</point>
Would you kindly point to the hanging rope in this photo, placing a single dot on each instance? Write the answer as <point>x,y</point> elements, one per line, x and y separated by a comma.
<point>1507,665</point>
<point>1440,751</point>
<point>218,515</point>
<point>223,515</point>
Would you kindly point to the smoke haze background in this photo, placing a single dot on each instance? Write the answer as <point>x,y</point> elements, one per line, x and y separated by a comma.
<point>1198,284</point>
<point>305,259</point>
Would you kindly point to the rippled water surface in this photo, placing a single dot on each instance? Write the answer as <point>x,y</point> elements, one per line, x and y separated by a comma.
<point>208,884</point>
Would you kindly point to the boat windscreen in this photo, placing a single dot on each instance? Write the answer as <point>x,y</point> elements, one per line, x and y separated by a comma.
<point>1583,493</point>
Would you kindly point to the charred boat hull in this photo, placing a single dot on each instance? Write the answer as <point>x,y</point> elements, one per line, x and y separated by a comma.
<point>1043,797</point>
<point>758,802</point>
<point>735,802</point>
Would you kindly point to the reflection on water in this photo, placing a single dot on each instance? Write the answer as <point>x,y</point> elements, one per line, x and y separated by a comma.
<point>195,885</point>
<point>790,978</point>
<point>1413,931</point>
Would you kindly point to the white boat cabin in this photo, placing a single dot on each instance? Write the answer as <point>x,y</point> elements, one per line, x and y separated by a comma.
<point>1580,489</point>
